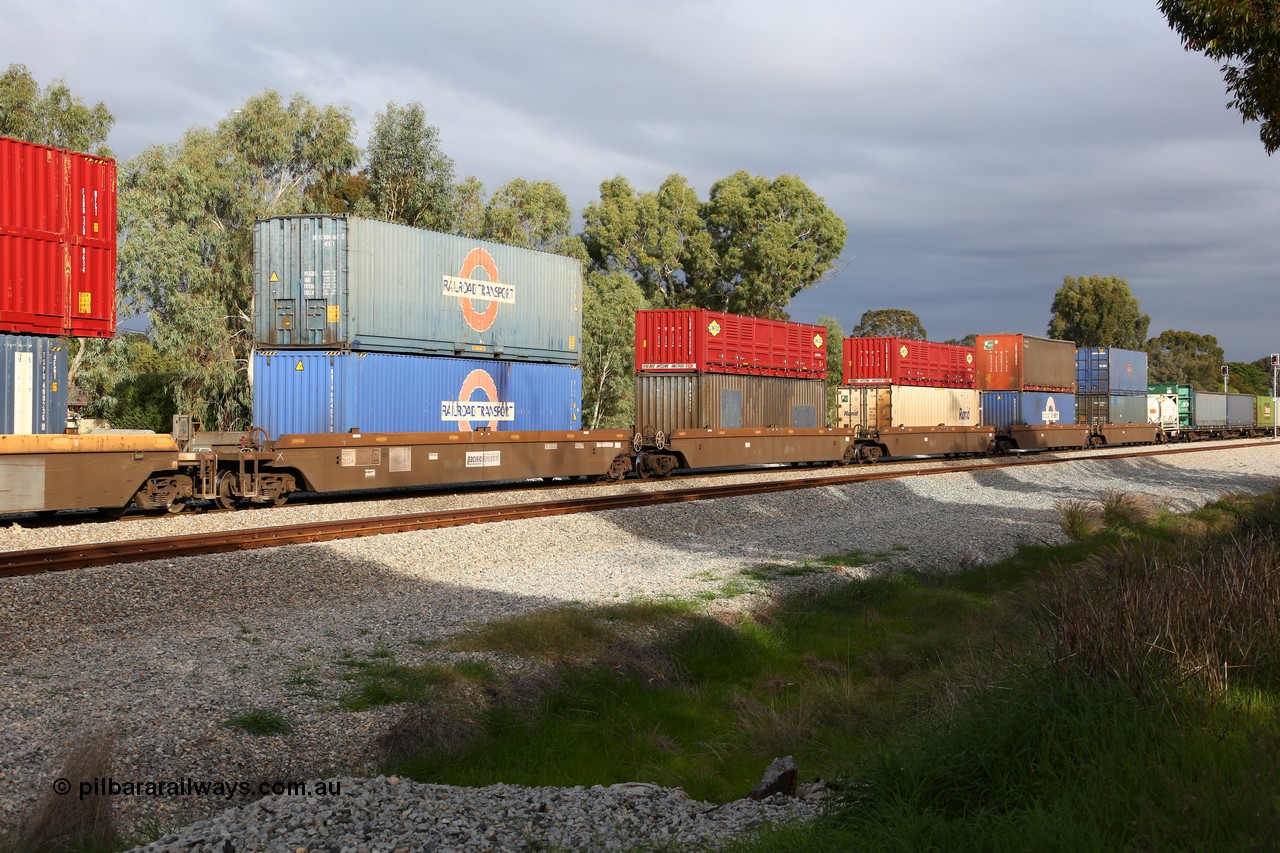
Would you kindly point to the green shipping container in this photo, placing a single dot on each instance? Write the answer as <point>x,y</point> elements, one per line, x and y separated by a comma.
<point>1267,412</point>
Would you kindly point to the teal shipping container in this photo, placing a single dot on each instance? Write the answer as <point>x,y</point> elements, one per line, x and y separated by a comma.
<point>336,282</point>
<point>33,385</point>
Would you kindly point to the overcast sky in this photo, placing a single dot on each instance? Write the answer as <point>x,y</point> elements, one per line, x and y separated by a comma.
<point>978,151</point>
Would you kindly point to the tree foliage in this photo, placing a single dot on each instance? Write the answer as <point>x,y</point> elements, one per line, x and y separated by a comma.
<point>1185,358</point>
<point>968,340</point>
<point>609,303</point>
<point>835,364</point>
<point>530,214</point>
<point>1245,36</point>
<point>187,214</point>
<point>52,116</point>
<point>410,176</point>
<point>1249,378</point>
<point>748,249</point>
<point>1097,311</point>
<point>128,383</point>
<point>890,323</point>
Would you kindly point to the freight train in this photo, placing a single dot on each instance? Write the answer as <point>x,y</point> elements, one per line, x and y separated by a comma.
<point>388,356</point>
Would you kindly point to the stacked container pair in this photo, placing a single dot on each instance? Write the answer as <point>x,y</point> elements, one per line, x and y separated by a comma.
<point>702,369</point>
<point>371,326</point>
<point>1111,386</point>
<point>57,274</point>
<point>1026,381</point>
<point>891,382</point>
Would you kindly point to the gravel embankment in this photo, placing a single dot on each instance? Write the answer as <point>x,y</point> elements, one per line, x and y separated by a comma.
<point>160,654</point>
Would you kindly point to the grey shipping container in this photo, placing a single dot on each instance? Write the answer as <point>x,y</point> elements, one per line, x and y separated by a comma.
<point>1112,408</point>
<point>1208,409</point>
<point>668,402</point>
<point>33,385</point>
<point>1242,410</point>
<point>333,282</point>
<point>888,406</point>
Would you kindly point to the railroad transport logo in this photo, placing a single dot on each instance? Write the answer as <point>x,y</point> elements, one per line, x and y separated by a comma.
<point>465,410</point>
<point>469,290</point>
<point>1050,413</point>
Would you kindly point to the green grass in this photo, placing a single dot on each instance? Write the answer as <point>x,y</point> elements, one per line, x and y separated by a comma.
<point>261,721</point>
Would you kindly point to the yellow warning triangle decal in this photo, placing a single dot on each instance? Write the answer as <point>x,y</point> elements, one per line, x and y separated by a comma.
<point>299,367</point>
<point>274,277</point>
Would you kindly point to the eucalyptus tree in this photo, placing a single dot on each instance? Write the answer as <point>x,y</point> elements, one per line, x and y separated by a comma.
<point>410,176</point>
<point>609,303</point>
<point>52,116</point>
<point>890,323</point>
<point>187,213</point>
<point>1245,36</point>
<point>1186,358</point>
<point>1098,311</point>
<point>530,214</point>
<point>770,238</point>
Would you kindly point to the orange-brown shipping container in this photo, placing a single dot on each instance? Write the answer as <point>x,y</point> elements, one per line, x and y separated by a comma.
<point>668,402</point>
<point>695,340</point>
<point>57,241</point>
<point>1025,363</point>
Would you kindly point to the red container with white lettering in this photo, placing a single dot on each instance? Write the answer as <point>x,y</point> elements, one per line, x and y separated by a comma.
<point>697,340</point>
<point>900,361</point>
<point>57,241</point>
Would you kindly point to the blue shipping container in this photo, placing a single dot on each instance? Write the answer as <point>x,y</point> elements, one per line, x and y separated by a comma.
<point>33,385</point>
<point>1109,370</point>
<point>310,391</point>
<point>1005,409</point>
<point>335,282</point>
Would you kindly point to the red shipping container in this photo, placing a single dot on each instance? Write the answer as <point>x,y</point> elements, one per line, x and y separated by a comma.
<point>1025,363</point>
<point>57,241</point>
<point>901,361</point>
<point>696,340</point>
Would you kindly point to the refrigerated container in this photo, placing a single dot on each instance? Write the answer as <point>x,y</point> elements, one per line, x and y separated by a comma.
<point>876,408</point>
<point>310,391</point>
<point>57,241</point>
<point>900,361</point>
<point>696,340</point>
<point>1006,409</point>
<point>671,401</point>
<point>1110,370</point>
<point>336,282</point>
<point>33,385</point>
<point>1018,362</point>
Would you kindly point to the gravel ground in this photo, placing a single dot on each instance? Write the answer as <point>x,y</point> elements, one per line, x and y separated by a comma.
<point>158,655</point>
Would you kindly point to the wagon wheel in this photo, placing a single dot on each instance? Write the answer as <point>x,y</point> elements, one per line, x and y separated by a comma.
<point>177,506</point>
<point>226,498</point>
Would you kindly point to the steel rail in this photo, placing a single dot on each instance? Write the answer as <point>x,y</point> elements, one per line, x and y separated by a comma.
<point>36,561</point>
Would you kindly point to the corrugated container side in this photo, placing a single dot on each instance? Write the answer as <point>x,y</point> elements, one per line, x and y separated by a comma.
<point>1005,409</point>
<point>900,361</point>
<point>876,408</point>
<point>1265,411</point>
<point>314,391</point>
<point>1242,410</point>
<point>33,385</point>
<point>683,340</point>
<point>350,283</point>
<point>671,401</point>
<point>1019,362</point>
<point>57,241</point>
<point>1111,408</point>
<point>1208,408</point>
<point>1110,370</point>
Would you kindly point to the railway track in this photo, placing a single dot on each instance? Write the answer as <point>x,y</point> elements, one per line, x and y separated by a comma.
<point>36,561</point>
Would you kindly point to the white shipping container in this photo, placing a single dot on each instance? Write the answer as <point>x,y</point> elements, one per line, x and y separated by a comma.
<point>891,406</point>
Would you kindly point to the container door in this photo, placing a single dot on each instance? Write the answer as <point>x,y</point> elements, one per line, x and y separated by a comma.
<point>317,322</point>
<point>731,409</point>
<point>286,321</point>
